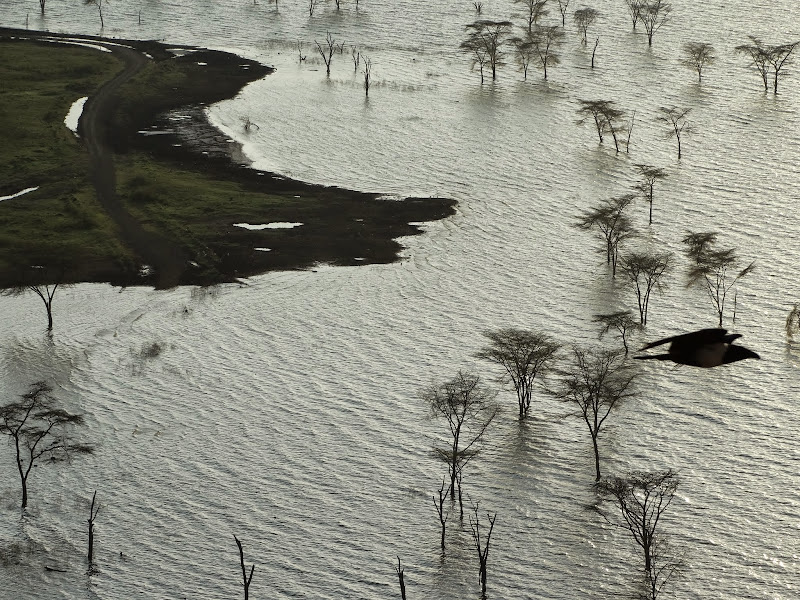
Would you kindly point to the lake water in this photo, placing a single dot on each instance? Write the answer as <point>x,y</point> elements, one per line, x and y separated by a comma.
<point>287,411</point>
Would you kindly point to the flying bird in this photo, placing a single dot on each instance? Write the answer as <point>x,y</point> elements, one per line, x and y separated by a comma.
<point>704,348</point>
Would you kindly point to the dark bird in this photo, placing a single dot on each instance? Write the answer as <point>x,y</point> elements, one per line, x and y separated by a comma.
<point>704,348</point>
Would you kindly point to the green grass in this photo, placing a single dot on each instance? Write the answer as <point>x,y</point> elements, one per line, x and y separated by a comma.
<point>40,82</point>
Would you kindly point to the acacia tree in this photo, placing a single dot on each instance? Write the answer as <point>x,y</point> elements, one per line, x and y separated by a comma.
<point>642,499</point>
<point>697,56</point>
<point>653,15</point>
<point>645,272</point>
<point>563,5</point>
<point>763,56</point>
<point>485,43</point>
<point>524,355</point>
<point>635,10</point>
<point>44,281</point>
<point>650,175</point>
<point>544,42</point>
<point>39,429</point>
<point>326,51</point>
<point>675,119</point>
<point>584,18</point>
<point>596,383</point>
<point>712,268</point>
<point>523,53</point>
<point>535,11</point>
<point>622,321</point>
<point>606,117</point>
<point>612,225</point>
<point>468,409</point>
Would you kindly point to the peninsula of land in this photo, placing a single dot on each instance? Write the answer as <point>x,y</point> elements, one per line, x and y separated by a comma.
<point>148,192</point>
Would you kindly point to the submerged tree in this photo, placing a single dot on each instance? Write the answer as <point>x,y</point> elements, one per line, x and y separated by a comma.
<point>246,579</point>
<point>544,42</point>
<point>697,56</point>
<point>675,119</point>
<point>44,281</point>
<point>622,321</point>
<point>612,225</point>
<point>523,53</point>
<point>650,175</point>
<point>596,383</point>
<point>326,51</point>
<point>524,355</point>
<point>764,56</point>
<point>584,18</point>
<point>485,43</point>
<point>645,272</point>
<point>535,11</point>
<point>716,270</point>
<point>468,409</point>
<point>482,546</point>
<point>653,15</point>
<point>642,499</point>
<point>443,513</point>
<point>39,430</point>
<point>563,5</point>
<point>635,10</point>
<point>606,117</point>
<point>367,75</point>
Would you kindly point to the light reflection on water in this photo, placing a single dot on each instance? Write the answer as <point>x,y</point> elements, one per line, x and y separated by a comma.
<point>286,411</point>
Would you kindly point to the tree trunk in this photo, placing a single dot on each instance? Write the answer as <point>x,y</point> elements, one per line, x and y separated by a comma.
<point>24,492</point>
<point>596,457</point>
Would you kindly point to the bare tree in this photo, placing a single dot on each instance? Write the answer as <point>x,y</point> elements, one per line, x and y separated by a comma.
<point>606,117</point>
<point>642,499</point>
<point>523,355</point>
<point>312,5</point>
<point>99,5</point>
<point>623,322</point>
<point>92,516</point>
<point>612,225</point>
<point>468,409</point>
<point>39,429</point>
<point>635,10</point>
<point>478,6</point>
<point>485,43</point>
<point>246,579</point>
<point>650,175</point>
<point>535,11</point>
<point>675,119</point>
<point>299,47</point>
<point>482,546</point>
<point>714,269</point>
<point>41,5</point>
<point>444,492</point>
<point>763,56</point>
<point>653,15</point>
<point>697,56</point>
<point>544,42</point>
<point>401,577</point>
<point>584,18</point>
<point>594,50</point>
<point>326,51</point>
<point>356,56</point>
<point>646,273</point>
<point>563,6</point>
<point>596,383</point>
<point>367,75</point>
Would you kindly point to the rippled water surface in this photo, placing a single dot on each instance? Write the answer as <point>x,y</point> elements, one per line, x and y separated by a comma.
<point>286,411</point>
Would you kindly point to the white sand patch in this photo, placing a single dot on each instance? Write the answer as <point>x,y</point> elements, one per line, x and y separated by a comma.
<point>74,115</point>
<point>25,191</point>
<point>277,225</point>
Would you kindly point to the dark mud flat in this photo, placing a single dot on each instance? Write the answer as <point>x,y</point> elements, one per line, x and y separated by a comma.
<point>188,184</point>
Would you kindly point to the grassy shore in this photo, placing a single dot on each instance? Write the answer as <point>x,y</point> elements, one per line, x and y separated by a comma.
<point>166,182</point>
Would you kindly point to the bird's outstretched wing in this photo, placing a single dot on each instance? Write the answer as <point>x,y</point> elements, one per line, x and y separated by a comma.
<point>698,338</point>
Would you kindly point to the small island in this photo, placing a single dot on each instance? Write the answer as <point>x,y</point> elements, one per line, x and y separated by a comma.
<point>146,191</point>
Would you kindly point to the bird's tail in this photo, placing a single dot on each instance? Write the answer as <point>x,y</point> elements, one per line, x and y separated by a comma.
<point>654,357</point>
